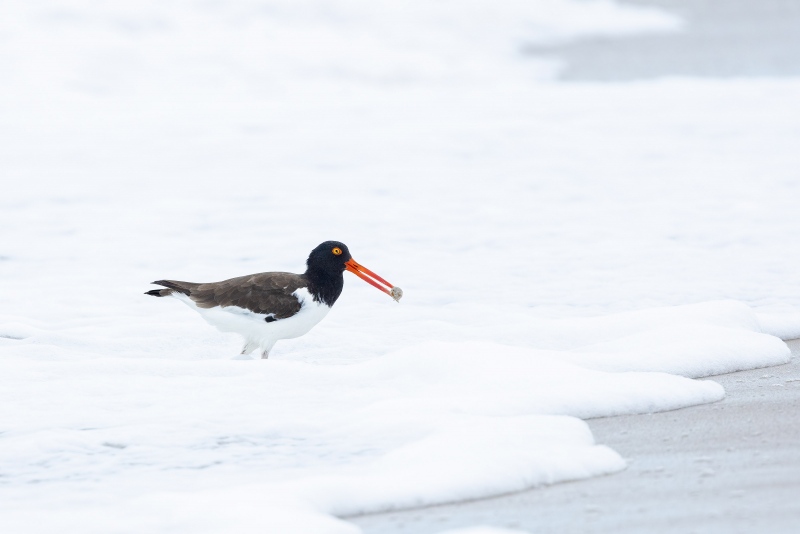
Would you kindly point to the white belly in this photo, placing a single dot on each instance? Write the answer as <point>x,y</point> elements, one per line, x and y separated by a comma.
<point>253,327</point>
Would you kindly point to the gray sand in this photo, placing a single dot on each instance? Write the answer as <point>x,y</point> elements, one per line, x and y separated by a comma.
<point>722,38</point>
<point>727,467</point>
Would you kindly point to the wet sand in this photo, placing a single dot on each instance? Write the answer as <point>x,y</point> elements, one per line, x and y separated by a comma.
<point>721,38</point>
<point>727,467</point>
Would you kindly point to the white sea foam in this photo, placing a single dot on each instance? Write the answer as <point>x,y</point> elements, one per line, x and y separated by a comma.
<point>278,442</point>
<point>562,247</point>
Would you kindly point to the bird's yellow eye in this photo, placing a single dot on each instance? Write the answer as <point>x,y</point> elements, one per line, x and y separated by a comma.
<point>337,251</point>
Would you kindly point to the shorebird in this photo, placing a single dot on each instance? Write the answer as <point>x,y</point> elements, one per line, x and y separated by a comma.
<point>267,307</point>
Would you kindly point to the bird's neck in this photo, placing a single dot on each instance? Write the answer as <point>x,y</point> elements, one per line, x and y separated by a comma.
<point>324,286</point>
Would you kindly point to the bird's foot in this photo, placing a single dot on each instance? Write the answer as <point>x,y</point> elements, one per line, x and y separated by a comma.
<point>248,348</point>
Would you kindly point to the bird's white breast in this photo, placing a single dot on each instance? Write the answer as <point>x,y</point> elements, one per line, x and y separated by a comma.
<point>253,326</point>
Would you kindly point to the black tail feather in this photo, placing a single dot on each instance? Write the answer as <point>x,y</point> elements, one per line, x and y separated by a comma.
<point>180,287</point>
<point>158,292</point>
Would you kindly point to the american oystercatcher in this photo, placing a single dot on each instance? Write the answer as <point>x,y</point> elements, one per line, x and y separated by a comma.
<point>266,307</point>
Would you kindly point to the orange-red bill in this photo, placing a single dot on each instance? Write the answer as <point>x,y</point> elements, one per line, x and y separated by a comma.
<point>368,276</point>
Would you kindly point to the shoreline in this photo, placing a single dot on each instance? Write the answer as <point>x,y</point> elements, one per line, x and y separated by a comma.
<point>729,466</point>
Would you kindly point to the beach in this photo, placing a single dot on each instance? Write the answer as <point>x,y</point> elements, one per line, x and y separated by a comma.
<point>727,467</point>
<point>590,207</point>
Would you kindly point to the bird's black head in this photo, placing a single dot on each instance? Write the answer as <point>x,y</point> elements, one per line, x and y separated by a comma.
<point>325,266</point>
<point>329,258</point>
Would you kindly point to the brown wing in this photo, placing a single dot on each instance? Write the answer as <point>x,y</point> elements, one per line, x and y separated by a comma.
<point>267,293</point>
